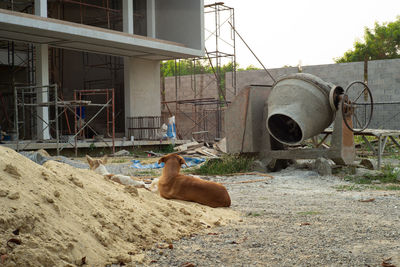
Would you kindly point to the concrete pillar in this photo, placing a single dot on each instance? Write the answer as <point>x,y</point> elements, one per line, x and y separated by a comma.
<point>41,8</point>
<point>151,18</point>
<point>142,88</point>
<point>42,77</point>
<point>141,77</point>
<point>127,16</point>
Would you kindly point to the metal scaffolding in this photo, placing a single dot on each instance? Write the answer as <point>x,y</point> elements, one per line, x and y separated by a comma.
<point>221,43</point>
<point>81,100</point>
<point>204,126</point>
<point>26,109</point>
<point>220,51</point>
<point>19,63</point>
<point>26,104</point>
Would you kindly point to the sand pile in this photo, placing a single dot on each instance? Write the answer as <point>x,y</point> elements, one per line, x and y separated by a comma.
<point>57,215</point>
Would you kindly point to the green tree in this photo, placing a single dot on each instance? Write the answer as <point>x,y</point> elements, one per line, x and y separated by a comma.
<point>250,67</point>
<point>184,67</point>
<point>382,42</point>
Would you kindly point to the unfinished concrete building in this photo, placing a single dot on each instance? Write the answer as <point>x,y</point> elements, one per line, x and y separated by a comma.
<point>90,45</point>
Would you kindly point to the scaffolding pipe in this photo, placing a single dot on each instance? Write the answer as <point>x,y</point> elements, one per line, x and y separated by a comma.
<point>259,61</point>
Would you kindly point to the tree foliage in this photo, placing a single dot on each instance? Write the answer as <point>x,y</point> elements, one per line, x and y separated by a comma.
<point>188,67</point>
<point>382,42</point>
<point>184,67</point>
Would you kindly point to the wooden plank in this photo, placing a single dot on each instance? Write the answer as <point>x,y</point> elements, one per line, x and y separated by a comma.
<point>205,153</point>
<point>186,146</point>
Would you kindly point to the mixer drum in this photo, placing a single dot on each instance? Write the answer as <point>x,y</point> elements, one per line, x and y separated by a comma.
<point>299,108</point>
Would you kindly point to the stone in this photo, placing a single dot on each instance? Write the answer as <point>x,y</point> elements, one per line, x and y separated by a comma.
<point>276,165</point>
<point>124,258</point>
<point>258,166</point>
<point>121,153</point>
<point>366,172</point>
<point>3,193</point>
<point>56,194</point>
<point>131,190</point>
<point>11,169</point>
<point>370,164</point>
<point>323,166</point>
<point>13,196</point>
<point>49,199</point>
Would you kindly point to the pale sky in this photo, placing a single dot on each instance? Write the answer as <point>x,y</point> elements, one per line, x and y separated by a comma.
<point>285,32</point>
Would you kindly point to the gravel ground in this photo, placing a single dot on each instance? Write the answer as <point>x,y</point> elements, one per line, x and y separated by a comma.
<point>296,219</point>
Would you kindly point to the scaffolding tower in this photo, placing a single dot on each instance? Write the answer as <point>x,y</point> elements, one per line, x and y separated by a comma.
<point>220,51</point>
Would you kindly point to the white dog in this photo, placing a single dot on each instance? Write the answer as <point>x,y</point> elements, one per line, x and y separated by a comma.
<point>97,165</point>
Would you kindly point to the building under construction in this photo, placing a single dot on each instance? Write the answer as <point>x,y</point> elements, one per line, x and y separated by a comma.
<point>71,69</point>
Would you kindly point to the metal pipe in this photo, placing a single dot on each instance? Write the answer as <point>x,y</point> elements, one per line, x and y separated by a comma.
<point>113,121</point>
<point>56,111</point>
<point>259,61</point>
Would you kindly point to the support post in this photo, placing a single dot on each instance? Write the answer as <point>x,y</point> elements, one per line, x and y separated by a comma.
<point>141,77</point>
<point>141,88</point>
<point>127,16</point>
<point>41,8</point>
<point>42,77</point>
<point>379,151</point>
<point>151,18</point>
<point>343,148</point>
<point>127,26</point>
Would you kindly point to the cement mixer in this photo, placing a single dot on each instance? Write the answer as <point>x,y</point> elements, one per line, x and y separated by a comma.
<point>271,120</point>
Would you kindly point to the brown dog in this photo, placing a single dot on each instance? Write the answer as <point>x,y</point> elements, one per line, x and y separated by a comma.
<point>173,185</point>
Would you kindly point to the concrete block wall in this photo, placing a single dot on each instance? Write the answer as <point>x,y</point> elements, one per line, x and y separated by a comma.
<point>201,86</point>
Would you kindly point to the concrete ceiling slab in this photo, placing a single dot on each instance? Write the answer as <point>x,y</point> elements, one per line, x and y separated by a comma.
<point>63,34</point>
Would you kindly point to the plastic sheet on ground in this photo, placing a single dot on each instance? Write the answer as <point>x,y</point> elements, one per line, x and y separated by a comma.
<point>189,161</point>
<point>35,157</point>
<point>40,159</point>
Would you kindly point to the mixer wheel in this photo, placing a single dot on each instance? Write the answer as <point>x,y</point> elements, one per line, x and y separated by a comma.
<point>357,103</point>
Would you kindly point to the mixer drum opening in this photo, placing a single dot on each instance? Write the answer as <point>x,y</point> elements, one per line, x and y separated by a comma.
<point>284,129</point>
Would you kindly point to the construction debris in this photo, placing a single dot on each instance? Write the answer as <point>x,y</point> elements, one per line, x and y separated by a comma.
<point>195,148</point>
<point>221,145</point>
<point>188,146</point>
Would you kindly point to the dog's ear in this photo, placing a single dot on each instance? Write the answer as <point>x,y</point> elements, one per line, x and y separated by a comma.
<point>89,160</point>
<point>104,159</point>
<point>162,159</point>
<point>182,161</point>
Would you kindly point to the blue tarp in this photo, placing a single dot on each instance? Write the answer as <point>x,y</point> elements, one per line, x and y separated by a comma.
<point>189,161</point>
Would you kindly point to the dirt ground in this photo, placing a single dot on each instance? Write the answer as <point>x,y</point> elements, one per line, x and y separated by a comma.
<point>57,215</point>
<point>296,219</point>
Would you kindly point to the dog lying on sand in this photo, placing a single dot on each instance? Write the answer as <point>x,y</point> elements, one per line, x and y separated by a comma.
<point>97,165</point>
<point>173,185</point>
